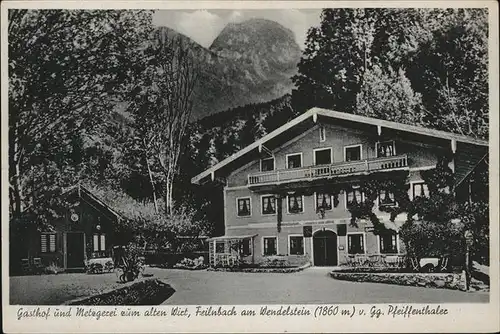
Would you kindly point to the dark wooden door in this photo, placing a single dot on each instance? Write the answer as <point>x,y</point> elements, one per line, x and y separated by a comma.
<point>325,248</point>
<point>75,248</point>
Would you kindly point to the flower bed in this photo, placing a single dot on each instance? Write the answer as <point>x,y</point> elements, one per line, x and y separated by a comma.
<point>381,269</point>
<point>452,281</point>
<point>191,264</point>
<point>169,259</point>
<point>266,269</point>
<point>147,292</point>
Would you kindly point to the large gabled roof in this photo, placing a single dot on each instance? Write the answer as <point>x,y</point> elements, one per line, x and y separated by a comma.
<point>315,112</point>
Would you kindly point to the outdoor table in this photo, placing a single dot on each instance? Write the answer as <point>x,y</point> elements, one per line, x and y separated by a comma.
<point>103,261</point>
<point>429,260</point>
<point>392,260</point>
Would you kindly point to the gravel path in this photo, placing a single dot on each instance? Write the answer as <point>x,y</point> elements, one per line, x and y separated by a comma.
<point>312,285</point>
<point>56,289</point>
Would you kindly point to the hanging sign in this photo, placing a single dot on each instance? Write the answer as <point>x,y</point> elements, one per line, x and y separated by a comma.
<point>469,238</point>
<point>342,230</point>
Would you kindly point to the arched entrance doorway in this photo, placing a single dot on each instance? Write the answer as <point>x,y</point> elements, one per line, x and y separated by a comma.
<point>325,248</point>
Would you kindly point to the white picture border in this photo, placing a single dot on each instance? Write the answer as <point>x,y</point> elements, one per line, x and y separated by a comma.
<point>461,317</point>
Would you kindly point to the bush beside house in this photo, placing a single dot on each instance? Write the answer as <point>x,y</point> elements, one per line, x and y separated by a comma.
<point>454,281</point>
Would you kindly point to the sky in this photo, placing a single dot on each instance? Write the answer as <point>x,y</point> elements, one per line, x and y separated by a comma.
<point>203,26</point>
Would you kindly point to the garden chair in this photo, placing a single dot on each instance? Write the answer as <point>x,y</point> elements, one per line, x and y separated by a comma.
<point>362,260</point>
<point>401,261</point>
<point>415,266</point>
<point>392,260</point>
<point>25,265</point>
<point>38,265</point>
<point>373,260</point>
<point>350,259</point>
<point>444,264</point>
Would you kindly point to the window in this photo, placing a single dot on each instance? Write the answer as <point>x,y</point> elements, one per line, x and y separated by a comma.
<point>99,242</point>
<point>323,156</point>
<point>322,134</point>
<point>244,208</point>
<point>267,164</point>
<point>353,196</point>
<point>323,201</point>
<point>296,245</point>
<point>352,153</point>
<point>48,243</point>
<point>386,198</point>
<point>268,205</point>
<point>294,160</point>
<point>355,244</point>
<point>219,247</point>
<point>420,189</point>
<point>295,204</point>
<point>386,149</point>
<point>270,245</point>
<point>245,248</point>
<point>388,243</point>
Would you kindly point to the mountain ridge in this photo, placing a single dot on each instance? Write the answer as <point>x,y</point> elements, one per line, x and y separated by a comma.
<point>248,62</point>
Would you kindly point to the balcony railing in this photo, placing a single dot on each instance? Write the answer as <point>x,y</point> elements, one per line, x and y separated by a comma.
<point>325,171</point>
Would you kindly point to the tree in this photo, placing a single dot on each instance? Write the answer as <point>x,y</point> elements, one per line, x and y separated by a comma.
<point>337,54</point>
<point>399,32</point>
<point>64,68</point>
<point>389,95</point>
<point>162,106</point>
<point>451,72</point>
<point>443,53</point>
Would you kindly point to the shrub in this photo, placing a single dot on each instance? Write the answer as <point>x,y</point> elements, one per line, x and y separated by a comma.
<point>275,262</point>
<point>186,263</point>
<point>132,264</point>
<point>53,269</point>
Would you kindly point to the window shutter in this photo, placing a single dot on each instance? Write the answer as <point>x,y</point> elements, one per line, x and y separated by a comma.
<point>52,242</point>
<point>103,242</point>
<point>43,240</point>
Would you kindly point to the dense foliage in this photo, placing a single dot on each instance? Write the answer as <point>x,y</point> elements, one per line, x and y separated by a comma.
<point>416,66</point>
<point>66,68</point>
<point>436,224</point>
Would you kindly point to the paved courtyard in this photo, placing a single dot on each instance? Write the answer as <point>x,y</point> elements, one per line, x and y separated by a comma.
<point>312,285</point>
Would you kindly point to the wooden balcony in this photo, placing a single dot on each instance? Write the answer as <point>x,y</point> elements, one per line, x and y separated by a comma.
<point>328,171</point>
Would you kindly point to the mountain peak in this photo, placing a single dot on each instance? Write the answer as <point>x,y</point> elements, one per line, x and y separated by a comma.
<point>260,25</point>
<point>254,33</point>
<point>249,62</point>
<point>263,44</point>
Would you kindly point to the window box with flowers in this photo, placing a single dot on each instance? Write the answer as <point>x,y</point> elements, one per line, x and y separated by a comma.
<point>268,204</point>
<point>295,203</point>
